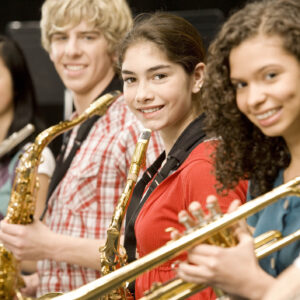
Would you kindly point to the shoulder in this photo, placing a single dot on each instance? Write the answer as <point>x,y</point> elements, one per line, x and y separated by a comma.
<point>119,106</point>
<point>203,152</point>
<point>116,118</point>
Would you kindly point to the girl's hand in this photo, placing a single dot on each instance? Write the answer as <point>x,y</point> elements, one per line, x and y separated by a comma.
<point>235,270</point>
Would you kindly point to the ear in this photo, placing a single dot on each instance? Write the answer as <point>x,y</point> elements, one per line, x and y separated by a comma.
<point>198,77</point>
<point>114,57</point>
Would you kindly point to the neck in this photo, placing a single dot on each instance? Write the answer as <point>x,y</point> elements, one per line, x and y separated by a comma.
<point>5,121</point>
<point>168,141</point>
<point>83,100</point>
<point>170,134</point>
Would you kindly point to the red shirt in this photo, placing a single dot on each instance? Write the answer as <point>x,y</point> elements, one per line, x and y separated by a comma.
<point>193,181</point>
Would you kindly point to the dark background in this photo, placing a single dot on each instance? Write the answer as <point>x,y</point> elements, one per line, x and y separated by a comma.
<point>22,10</point>
<point>50,90</point>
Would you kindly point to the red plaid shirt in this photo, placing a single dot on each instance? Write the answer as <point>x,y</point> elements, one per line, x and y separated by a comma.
<point>83,203</point>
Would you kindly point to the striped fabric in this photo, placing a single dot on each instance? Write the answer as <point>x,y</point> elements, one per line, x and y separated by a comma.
<point>82,205</point>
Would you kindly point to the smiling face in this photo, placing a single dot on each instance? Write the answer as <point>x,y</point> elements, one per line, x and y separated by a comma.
<point>267,79</point>
<point>81,58</point>
<point>158,91</point>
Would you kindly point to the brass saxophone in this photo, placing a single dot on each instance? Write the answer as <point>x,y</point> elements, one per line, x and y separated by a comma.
<point>22,200</point>
<point>112,255</point>
<point>104,285</point>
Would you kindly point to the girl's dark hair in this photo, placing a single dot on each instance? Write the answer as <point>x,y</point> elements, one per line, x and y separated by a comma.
<point>176,37</point>
<point>24,98</point>
<point>243,151</point>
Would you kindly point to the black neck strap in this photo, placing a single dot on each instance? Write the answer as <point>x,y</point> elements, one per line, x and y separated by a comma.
<point>188,140</point>
<point>62,165</point>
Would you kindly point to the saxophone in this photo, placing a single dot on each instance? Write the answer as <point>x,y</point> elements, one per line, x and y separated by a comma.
<point>112,255</point>
<point>22,200</point>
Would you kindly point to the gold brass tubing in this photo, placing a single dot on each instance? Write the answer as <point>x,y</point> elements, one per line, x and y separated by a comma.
<point>275,246</point>
<point>103,285</point>
<point>177,289</point>
<point>265,238</point>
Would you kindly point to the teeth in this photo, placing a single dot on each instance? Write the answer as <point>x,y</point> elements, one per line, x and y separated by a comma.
<point>266,114</point>
<point>74,67</point>
<point>150,110</point>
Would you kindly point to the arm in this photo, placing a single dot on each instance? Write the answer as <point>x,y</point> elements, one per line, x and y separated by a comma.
<point>287,285</point>
<point>45,171</point>
<point>41,194</point>
<point>37,242</point>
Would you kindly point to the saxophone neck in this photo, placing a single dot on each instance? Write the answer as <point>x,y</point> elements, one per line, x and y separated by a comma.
<point>22,201</point>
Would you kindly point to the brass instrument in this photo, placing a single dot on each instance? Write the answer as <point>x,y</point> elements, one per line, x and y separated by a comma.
<point>112,256</point>
<point>16,138</point>
<point>22,201</point>
<point>178,289</point>
<point>103,285</point>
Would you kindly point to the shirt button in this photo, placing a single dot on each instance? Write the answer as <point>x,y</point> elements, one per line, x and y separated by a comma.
<point>272,263</point>
<point>286,204</point>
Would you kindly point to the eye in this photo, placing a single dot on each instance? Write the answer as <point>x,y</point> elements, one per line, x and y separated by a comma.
<point>270,75</point>
<point>90,37</point>
<point>159,76</point>
<point>129,80</point>
<point>239,85</point>
<point>58,37</point>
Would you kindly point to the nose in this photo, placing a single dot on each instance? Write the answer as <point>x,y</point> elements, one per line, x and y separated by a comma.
<point>72,47</point>
<point>256,95</point>
<point>144,92</point>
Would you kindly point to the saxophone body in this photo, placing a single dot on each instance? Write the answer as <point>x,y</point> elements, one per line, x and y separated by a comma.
<point>113,255</point>
<point>23,195</point>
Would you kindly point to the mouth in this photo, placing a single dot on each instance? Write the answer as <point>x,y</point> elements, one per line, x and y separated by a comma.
<point>74,67</point>
<point>267,114</point>
<point>150,110</point>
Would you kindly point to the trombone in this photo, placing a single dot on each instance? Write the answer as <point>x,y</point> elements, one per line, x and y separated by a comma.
<point>100,287</point>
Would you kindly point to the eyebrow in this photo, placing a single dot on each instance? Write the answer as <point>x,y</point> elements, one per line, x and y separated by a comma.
<point>80,32</point>
<point>152,69</point>
<point>90,31</point>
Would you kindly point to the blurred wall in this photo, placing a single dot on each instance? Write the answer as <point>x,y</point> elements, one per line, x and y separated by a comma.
<point>23,10</point>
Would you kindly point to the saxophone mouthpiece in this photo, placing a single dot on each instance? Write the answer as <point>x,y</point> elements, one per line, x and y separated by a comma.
<point>145,135</point>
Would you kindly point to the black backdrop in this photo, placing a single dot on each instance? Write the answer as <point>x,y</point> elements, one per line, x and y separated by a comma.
<point>49,88</point>
<point>22,10</point>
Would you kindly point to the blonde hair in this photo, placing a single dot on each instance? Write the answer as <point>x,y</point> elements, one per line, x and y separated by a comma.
<point>112,17</point>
